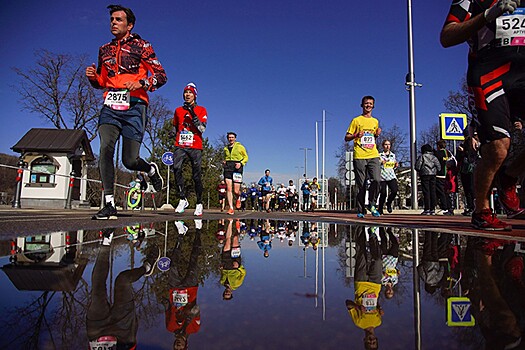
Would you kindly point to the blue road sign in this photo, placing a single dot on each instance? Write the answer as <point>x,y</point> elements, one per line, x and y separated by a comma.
<point>452,126</point>
<point>164,264</point>
<point>458,312</point>
<point>167,158</point>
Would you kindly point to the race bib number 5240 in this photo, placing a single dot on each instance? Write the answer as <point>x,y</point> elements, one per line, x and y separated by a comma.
<point>511,28</point>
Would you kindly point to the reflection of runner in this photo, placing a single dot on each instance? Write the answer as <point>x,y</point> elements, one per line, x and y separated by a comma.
<point>365,309</point>
<point>123,66</point>
<point>182,311</point>
<point>390,257</point>
<point>232,271</point>
<point>114,326</point>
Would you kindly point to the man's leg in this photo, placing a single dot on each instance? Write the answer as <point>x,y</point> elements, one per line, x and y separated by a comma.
<point>179,155</point>
<point>196,167</point>
<point>109,135</point>
<point>492,156</point>
<point>131,156</point>
<point>359,172</point>
<point>382,196</point>
<point>229,192</point>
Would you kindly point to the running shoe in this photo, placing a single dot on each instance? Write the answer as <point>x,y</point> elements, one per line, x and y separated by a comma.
<point>198,224</point>
<point>183,204</point>
<point>425,212</point>
<point>389,208</point>
<point>488,221</point>
<point>106,236</point>
<point>238,203</point>
<point>151,260</point>
<point>230,211</point>
<point>181,228</point>
<point>448,213</point>
<point>156,179</point>
<point>488,246</point>
<point>508,197</point>
<point>361,215</point>
<point>108,212</point>
<point>374,212</point>
<point>198,210</point>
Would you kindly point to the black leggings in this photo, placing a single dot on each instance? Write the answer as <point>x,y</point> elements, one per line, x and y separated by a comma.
<point>109,135</point>
<point>195,157</point>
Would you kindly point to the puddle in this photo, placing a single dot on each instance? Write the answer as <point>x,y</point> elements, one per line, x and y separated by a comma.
<point>259,284</point>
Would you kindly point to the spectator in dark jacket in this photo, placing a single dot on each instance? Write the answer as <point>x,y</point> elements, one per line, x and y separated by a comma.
<point>427,165</point>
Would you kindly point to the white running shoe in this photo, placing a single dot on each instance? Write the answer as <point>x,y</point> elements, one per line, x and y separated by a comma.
<point>198,224</point>
<point>198,210</point>
<point>181,228</point>
<point>183,204</point>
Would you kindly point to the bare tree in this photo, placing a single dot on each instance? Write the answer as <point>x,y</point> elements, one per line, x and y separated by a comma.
<point>398,140</point>
<point>56,89</point>
<point>430,136</point>
<point>159,115</point>
<point>458,101</point>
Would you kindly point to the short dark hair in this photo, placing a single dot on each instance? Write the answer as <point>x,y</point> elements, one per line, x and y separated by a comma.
<point>267,170</point>
<point>442,144</point>
<point>231,133</point>
<point>130,16</point>
<point>367,97</point>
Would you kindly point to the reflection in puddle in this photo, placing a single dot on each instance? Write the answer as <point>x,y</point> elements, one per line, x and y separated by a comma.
<point>260,284</point>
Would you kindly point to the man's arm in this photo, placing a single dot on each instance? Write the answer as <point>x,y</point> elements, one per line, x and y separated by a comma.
<point>454,33</point>
<point>158,74</point>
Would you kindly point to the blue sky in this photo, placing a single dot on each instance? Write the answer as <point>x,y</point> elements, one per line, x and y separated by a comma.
<point>265,69</point>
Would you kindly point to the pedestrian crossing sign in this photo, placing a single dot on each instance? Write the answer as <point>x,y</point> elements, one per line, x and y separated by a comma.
<point>452,126</point>
<point>459,312</point>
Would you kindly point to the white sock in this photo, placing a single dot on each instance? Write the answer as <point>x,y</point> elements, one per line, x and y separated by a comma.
<point>110,199</point>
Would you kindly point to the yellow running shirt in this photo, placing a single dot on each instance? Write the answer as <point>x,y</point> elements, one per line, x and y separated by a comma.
<point>364,147</point>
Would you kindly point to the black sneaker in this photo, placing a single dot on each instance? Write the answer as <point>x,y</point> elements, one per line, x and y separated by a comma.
<point>389,208</point>
<point>150,262</point>
<point>448,213</point>
<point>108,212</point>
<point>156,179</point>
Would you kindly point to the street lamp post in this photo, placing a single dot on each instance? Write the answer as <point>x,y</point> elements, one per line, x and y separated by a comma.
<point>306,149</point>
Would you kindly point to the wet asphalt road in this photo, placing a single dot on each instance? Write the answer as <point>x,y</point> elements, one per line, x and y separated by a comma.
<point>21,222</point>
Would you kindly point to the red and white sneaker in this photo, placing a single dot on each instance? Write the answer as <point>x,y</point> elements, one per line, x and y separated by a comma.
<point>508,197</point>
<point>486,220</point>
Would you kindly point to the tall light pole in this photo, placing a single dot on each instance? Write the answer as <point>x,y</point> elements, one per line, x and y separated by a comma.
<point>411,86</point>
<point>306,149</point>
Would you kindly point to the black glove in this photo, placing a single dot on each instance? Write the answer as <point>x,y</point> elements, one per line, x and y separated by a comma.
<point>172,133</point>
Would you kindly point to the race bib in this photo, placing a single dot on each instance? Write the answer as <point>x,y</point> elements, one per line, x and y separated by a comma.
<point>391,272</point>
<point>222,190</point>
<point>118,100</point>
<point>180,297</point>
<point>235,252</point>
<point>390,165</point>
<point>237,177</point>
<point>510,28</point>
<point>103,343</point>
<point>186,138</point>
<point>370,302</point>
<point>368,140</point>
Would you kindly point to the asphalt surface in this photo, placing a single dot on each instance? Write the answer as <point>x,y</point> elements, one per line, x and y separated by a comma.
<point>22,222</point>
